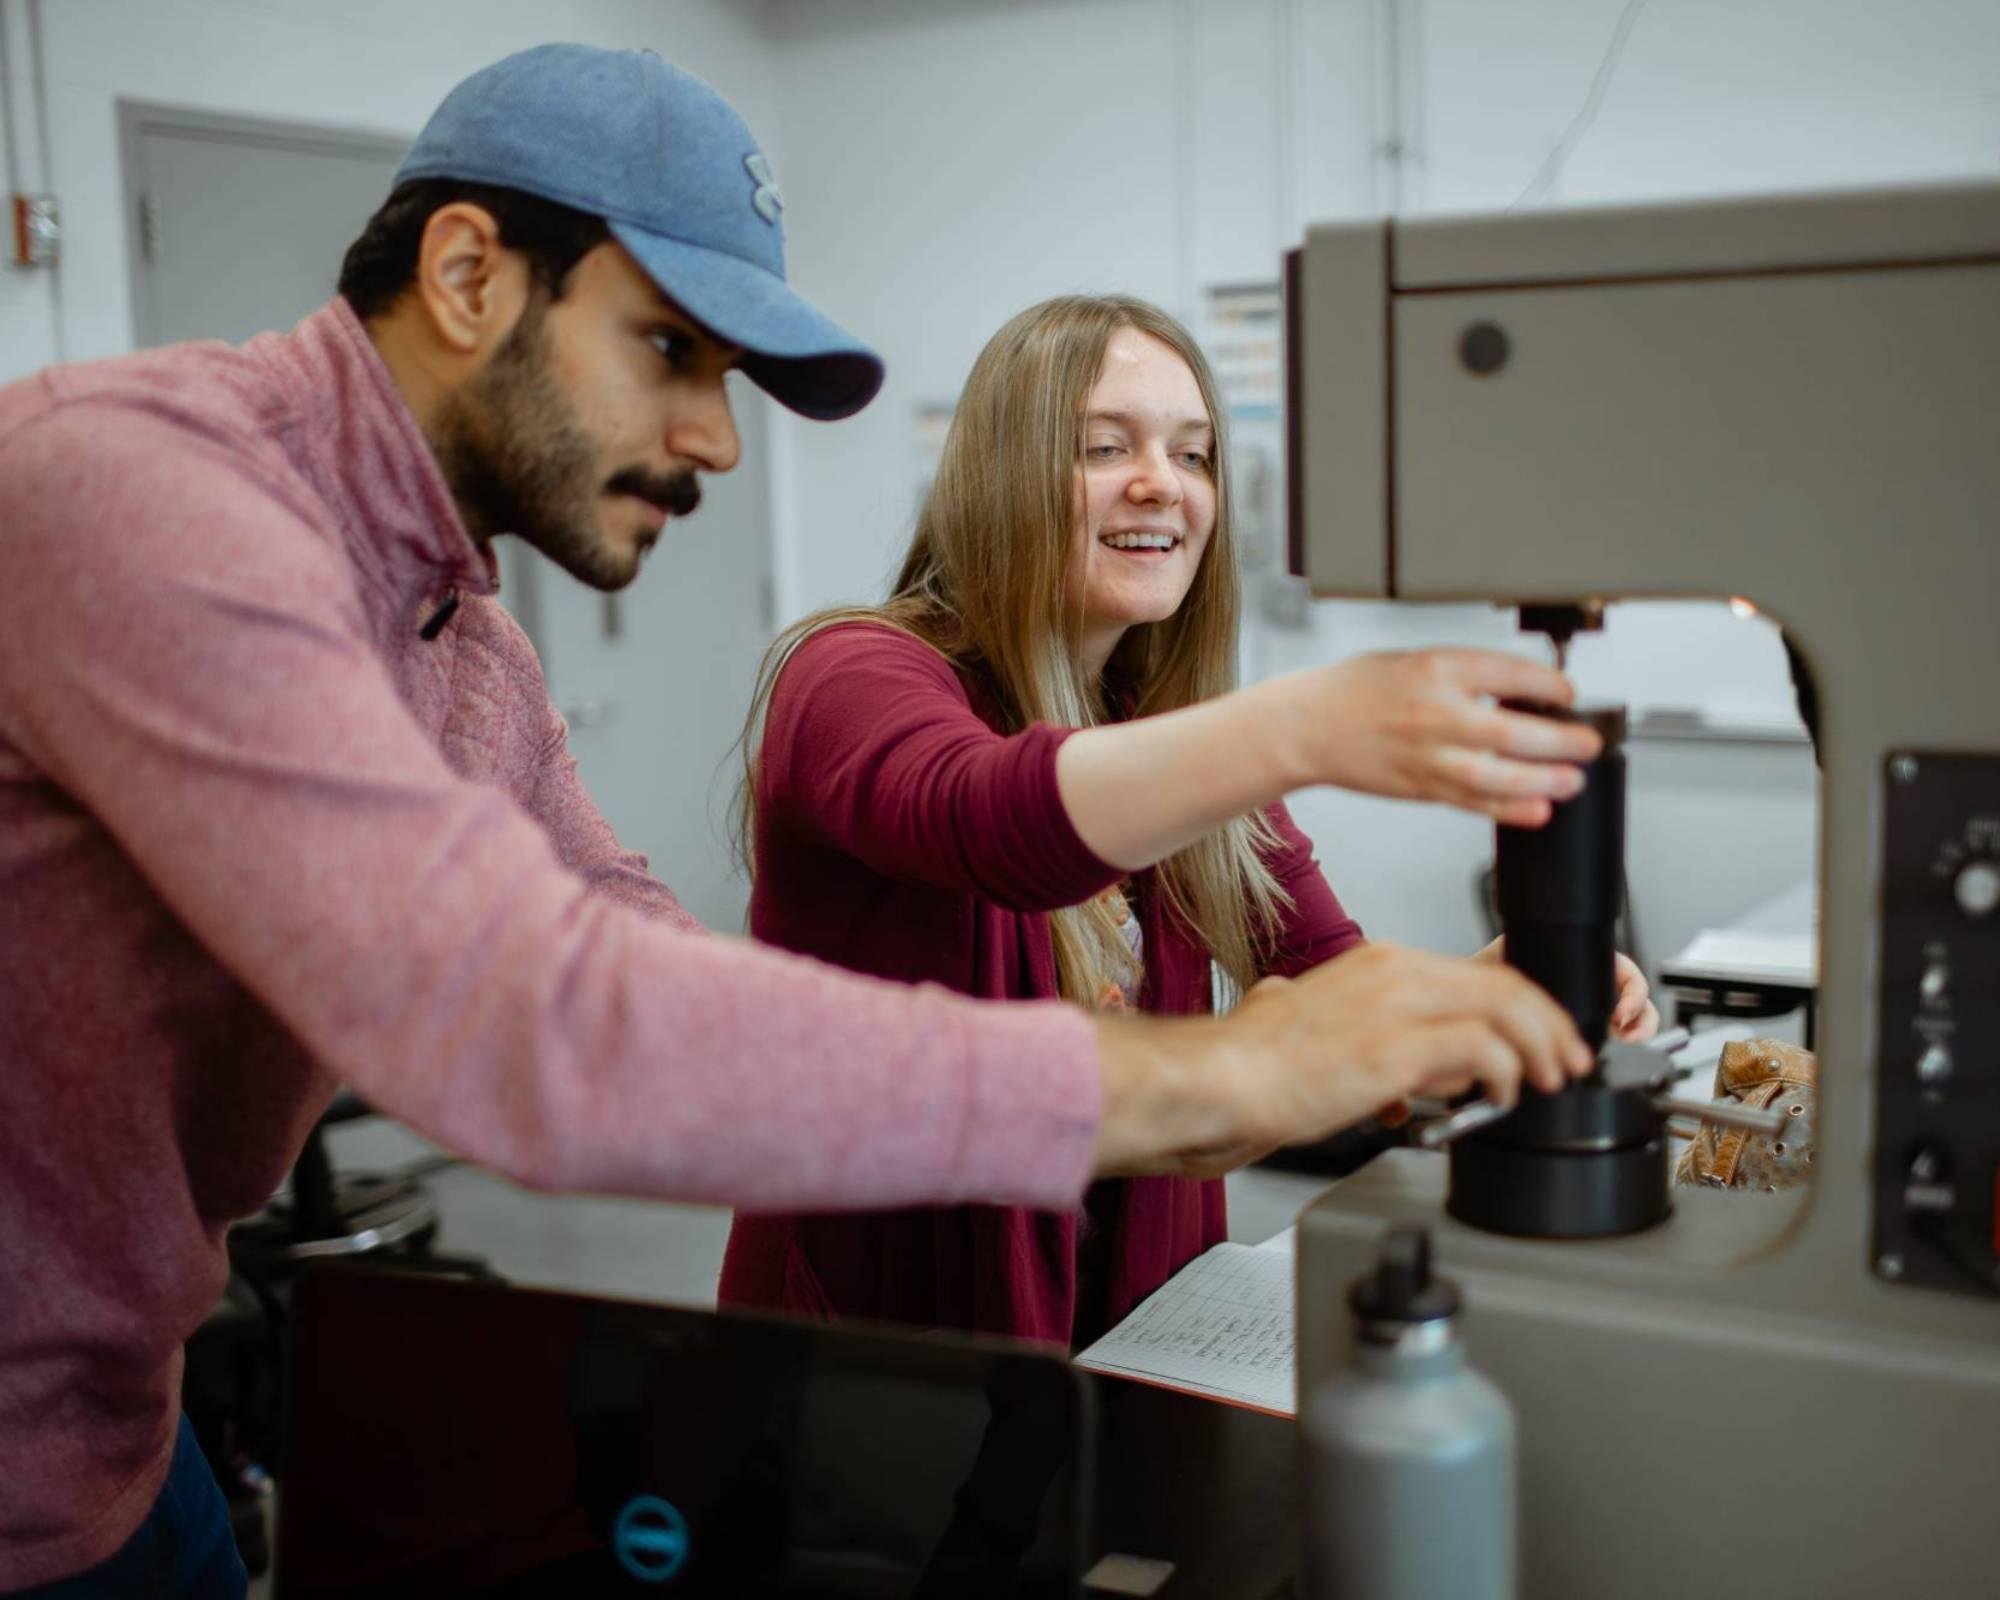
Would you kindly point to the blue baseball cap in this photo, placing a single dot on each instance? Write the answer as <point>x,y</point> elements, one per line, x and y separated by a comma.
<point>670,166</point>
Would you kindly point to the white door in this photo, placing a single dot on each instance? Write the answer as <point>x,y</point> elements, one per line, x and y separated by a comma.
<point>239,226</point>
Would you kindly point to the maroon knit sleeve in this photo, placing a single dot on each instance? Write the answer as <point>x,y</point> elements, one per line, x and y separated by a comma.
<point>871,746</point>
<point>1316,927</point>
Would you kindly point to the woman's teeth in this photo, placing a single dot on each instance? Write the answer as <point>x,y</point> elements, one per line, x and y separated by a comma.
<point>1141,541</point>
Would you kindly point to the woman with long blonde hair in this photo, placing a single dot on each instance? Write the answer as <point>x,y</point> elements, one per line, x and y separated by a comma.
<point>1026,776</point>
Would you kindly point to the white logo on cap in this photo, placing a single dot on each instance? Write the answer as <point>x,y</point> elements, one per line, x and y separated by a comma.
<point>766,199</point>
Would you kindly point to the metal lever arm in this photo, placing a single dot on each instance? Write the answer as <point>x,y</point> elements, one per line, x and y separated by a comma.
<point>1479,1113</point>
<point>1473,1115</point>
<point>1724,1115</point>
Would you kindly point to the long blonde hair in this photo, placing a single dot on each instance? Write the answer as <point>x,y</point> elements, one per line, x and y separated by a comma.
<point>983,584</point>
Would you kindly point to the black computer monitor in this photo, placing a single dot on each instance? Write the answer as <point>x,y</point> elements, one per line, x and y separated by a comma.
<point>454,1438</point>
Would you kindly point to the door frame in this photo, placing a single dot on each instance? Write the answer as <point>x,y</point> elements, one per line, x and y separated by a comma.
<point>137,118</point>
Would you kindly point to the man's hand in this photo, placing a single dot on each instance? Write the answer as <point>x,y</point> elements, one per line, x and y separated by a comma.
<point>1299,1059</point>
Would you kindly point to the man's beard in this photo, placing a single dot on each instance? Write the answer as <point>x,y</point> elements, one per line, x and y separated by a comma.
<point>518,461</point>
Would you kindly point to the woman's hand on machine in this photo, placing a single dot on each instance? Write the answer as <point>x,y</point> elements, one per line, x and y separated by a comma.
<point>1634,1018</point>
<point>1422,725</point>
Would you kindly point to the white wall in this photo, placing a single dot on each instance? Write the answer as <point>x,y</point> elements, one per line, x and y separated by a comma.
<point>950,162</point>
<point>1708,96</point>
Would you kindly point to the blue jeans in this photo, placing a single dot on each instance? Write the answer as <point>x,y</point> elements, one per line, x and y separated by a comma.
<point>184,1550</point>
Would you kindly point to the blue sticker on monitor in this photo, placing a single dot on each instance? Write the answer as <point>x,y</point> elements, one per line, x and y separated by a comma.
<point>650,1539</point>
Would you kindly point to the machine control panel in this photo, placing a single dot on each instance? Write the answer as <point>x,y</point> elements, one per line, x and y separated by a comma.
<point>1937,1130</point>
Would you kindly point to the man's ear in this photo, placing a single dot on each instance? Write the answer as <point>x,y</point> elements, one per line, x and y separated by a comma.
<point>473,290</point>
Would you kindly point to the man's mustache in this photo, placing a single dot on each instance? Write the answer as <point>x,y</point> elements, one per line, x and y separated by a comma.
<point>677,492</point>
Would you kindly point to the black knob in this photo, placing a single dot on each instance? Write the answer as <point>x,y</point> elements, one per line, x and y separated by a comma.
<point>1401,1289</point>
<point>1484,348</point>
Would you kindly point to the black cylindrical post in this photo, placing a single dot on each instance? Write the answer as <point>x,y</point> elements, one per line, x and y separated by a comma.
<point>1559,886</point>
<point>1591,1160</point>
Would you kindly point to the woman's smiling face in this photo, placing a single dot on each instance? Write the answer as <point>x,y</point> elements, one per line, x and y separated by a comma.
<point>1147,492</point>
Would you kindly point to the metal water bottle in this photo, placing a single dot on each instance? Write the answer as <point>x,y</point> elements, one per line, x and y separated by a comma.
<point>1409,1483</point>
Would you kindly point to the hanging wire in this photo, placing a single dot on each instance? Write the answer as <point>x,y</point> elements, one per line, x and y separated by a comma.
<point>58,337</point>
<point>1186,290</point>
<point>1394,146</point>
<point>1546,175</point>
<point>1400,121</point>
<point>7,106</point>
<point>41,93</point>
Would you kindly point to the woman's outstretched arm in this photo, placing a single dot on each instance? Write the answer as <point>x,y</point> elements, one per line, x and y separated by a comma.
<point>1413,725</point>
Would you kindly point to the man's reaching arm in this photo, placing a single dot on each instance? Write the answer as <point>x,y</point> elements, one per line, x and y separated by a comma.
<point>185,655</point>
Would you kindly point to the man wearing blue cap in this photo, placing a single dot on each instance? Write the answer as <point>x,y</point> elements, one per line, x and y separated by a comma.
<point>552,154</point>
<point>283,803</point>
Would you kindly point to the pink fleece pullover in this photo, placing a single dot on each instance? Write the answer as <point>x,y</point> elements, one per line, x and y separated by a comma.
<point>257,838</point>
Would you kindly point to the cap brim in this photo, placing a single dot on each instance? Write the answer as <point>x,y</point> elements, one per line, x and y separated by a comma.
<point>798,357</point>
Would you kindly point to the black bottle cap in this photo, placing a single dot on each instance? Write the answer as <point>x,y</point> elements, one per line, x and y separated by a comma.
<point>1401,1289</point>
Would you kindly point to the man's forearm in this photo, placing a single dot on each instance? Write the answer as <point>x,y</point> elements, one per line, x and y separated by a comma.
<point>1167,1092</point>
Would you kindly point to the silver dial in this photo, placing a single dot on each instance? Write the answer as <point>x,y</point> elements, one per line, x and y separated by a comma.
<point>1977,888</point>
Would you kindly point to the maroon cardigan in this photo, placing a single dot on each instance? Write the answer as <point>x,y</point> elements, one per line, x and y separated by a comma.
<point>898,833</point>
